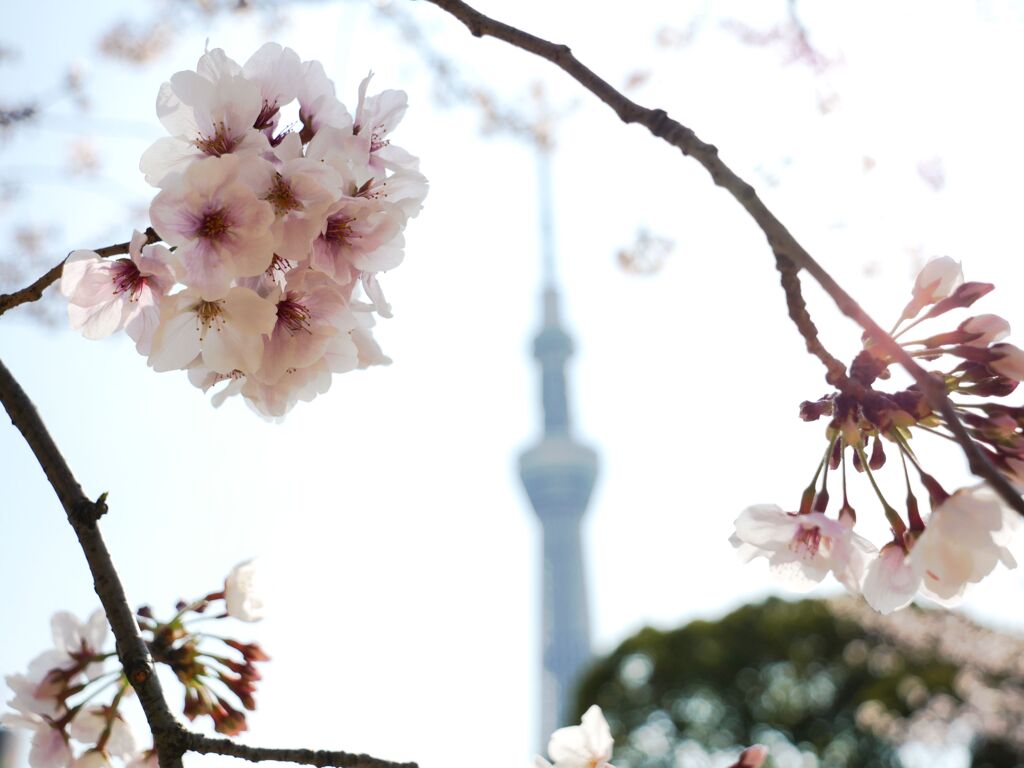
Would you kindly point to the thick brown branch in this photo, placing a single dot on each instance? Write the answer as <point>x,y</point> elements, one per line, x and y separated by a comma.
<point>779,238</point>
<point>208,746</point>
<point>83,515</point>
<point>34,292</point>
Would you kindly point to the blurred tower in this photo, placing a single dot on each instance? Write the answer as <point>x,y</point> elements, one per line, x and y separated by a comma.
<point>558,473</point>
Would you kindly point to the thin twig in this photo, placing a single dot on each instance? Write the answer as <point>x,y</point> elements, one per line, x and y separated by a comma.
<point>836,376</point>
<point>208,746</point>
<point>34,292</point>
<point>779,238</point>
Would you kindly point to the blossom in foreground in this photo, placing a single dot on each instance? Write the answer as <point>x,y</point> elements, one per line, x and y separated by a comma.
<point>278,233</point>
<point>587,745</point>
<point>890,582</point>
<point>801,548</point>
<point>965,539</point>
<point>967,534</point>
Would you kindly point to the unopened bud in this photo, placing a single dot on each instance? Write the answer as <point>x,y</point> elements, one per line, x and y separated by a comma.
<point>964,296</point>
<point>821,501</point>
<point>877,460</point>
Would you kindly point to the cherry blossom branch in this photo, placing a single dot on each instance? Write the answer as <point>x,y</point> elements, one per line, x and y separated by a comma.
<point>789,275</point>
<point>170,738</point>
<point>205,745</point>
<point>83,515</point>
<point>34,292</point>
<point>780,240</point>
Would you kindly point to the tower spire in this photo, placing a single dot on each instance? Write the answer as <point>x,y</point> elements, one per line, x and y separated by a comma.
<point>558,473</point>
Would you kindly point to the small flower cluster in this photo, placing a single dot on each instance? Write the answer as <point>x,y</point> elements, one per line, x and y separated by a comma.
<point>275,232</point>
<point>69,696</point>
<point>589,745</point>
<point>967,533</point>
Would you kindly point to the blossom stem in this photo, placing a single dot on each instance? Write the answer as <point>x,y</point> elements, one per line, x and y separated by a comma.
<point>936,432</point>
<point>846,500</point>
<point>906,328</point>
<point>898,526</point>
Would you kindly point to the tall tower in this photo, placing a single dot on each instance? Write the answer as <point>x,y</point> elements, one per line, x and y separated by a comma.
<point>558,473</point>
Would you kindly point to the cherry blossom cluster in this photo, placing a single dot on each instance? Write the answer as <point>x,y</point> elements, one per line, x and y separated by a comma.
<point>589,745</point>
<point>71,702</point>
<point>273,232</point>
<point>967,532</point>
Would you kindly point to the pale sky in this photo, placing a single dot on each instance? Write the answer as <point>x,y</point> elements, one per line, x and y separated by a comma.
<point>402,557</point>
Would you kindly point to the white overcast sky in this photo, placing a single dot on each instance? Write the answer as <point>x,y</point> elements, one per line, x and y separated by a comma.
<point>403,558</point>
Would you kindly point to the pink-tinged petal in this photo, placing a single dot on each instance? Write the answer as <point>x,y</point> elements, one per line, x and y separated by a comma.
<point>277,70</point>
<point>166,156</point>
<point>376,294</point>
<point>76,267</point>
<point>1009,361</point>
<point>49,749</point>
<point>96,629</point>
<point>176,341</point>
<point>249,312</point>
<point>99,320</point>
<point>216,64</point>
<point>177,118</point>
<point>991,328</point>
<point>765,524</point>
<point>67,632</point>
<point>890,583</point>
<point>192,89</point>
<point>588,745</point>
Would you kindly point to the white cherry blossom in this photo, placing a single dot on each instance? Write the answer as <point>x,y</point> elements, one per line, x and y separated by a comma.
<point>49,745</point>
<point>106,295</point>
<point>990,329</point>
<point>91,722</point>
<point>964,539</point>
<point>936,280</point>
<point>241,592</point>
<point>278,72</point>
<point>801,549</point>
<point>209,113</point>
<point>224,335</point>
<point>587,745</point>
<point>890,582</point>
<point>221,228</point>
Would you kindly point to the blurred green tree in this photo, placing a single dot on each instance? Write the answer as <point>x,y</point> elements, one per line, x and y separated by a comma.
<point>798,672</point>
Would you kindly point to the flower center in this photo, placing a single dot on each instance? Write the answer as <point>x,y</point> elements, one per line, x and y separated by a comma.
<point>209,314</point>
<point>127,278</point>
<point>218,144</point>
<point>266,116</point>
<point>278,264</point>
<point>339,228</point>
<point>214,224</point>
<point>282,197</point>
<point>295,317</point>
<point>806,542</point>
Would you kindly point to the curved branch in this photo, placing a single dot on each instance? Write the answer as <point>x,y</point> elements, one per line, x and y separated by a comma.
<point>205,745</point>
<point>170,738</point>
<point>83,515</point>
<point>779,238</point>
<point>789,275</point>
<point>34,292</point>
